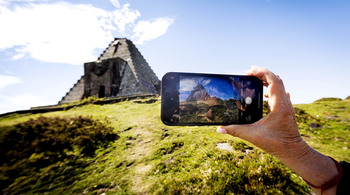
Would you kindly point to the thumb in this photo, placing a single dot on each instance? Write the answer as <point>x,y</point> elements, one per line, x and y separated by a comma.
<point>242,131</point>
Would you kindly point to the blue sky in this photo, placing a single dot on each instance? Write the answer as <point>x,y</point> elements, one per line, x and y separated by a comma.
<point>215,87</point>
<point>44,43</point>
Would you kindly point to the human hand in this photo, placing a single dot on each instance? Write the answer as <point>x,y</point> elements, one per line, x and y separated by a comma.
<point>277,133</point>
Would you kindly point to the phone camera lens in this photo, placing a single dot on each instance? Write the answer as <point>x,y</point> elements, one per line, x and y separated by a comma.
<point>248,100</point>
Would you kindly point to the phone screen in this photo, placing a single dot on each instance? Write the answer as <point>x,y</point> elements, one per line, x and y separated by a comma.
<point>204,99</point>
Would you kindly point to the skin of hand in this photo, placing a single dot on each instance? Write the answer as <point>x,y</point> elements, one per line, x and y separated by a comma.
<point>277,134</point>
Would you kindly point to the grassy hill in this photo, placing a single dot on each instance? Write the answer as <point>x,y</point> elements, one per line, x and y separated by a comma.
<point>124,148</point>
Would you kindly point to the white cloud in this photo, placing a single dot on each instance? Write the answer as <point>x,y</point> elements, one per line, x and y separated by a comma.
<point>3,2</point>
<point>148,30</point>
<point>18,56</point>
<point>21,102</point>
<point>214,92</point>
<point>63,32</point>
<point>8,80</point>
<point>25,1</point>
<point>187,85</point>
<point>59,32</point>
<point>124,17</point>
<point>115,3</point>
<point>28,100</point>
<point>206,82</point>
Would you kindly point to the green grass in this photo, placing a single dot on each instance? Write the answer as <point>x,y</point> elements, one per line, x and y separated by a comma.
<point>333,138</point>
<point>149,157</point>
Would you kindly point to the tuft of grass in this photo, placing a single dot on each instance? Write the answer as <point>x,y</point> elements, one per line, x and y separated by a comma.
<point>302,117</point>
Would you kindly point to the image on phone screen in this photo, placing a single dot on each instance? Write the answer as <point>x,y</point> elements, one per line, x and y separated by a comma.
<point>215,99</point>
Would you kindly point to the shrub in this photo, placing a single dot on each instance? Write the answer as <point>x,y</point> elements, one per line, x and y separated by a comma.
<point>202,108</point>
<point>45,144</point>
<point>302,116</point>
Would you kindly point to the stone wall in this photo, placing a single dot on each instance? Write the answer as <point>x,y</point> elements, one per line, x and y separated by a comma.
<point>103,78</point>
<point>145,74</point>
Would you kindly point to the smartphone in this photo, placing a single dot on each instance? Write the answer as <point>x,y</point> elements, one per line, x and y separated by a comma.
<point>189,99</point>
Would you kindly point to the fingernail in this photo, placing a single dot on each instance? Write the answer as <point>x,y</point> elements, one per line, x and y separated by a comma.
<point>221,130</point>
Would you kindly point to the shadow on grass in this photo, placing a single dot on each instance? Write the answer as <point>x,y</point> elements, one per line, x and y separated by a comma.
<point>42,154</point>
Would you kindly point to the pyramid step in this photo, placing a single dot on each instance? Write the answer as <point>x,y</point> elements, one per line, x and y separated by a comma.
<point>75,93</point>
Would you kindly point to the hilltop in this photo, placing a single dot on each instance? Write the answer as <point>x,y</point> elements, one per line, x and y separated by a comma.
<point>124,148</point>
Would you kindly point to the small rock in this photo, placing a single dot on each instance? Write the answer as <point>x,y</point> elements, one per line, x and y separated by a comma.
<point>315,125</point>
<point>248,151</point>
<point>332,117</point>
<point>224,146</point>
<point>170,160</point>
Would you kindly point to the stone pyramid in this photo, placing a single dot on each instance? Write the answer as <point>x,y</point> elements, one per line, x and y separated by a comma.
<point>120,70</point>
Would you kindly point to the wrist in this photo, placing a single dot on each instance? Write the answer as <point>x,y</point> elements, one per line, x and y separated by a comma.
<point>331,184</point>
<point>311,165</point>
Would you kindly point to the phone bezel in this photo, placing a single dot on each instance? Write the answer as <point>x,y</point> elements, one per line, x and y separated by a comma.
<point>165,105</point>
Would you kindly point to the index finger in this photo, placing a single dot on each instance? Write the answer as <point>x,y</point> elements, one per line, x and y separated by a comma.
<point>263,74</point>
<point>275,85</point>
